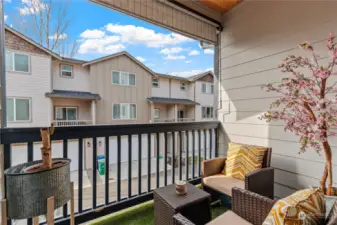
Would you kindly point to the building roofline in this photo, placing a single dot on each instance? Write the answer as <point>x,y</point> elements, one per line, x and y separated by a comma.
<point>21,35</point>
<point>120,54</point>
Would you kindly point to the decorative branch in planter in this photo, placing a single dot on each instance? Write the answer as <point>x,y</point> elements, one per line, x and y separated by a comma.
<point>308,103</point>
<point>46,147</point>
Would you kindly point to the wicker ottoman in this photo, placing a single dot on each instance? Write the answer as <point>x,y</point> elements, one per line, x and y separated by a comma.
<point>195,205</point>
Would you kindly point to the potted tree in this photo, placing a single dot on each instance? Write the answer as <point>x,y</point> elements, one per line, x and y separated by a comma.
<point>307,103</point>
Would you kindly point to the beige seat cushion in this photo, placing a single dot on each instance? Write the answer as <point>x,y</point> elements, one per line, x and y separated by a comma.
<point>223,183</point>
<point>228,218</point>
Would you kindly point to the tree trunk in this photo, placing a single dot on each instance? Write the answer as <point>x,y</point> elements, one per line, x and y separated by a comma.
<point>46,147</point>
<point>327,175</point>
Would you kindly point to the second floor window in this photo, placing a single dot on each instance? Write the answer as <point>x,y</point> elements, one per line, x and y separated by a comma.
<point>66,71</point>
<point>124,111</point>
<point>207,88</point>
<point>18,109</point>
<point>124,78</point>
<point>207,112</point>
<point>66,113</point>
<point>17,62</point>
<point>182,86</point>
<point>155,82</point>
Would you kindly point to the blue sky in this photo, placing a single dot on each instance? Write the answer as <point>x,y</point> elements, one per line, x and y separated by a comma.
<point>101,31</point>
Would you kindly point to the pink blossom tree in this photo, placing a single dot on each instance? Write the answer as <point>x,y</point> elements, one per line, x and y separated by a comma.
<point>307,103</point>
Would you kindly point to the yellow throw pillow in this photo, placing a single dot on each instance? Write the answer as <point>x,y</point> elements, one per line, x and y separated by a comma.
<point>305,205</point>
<point>243,159</point>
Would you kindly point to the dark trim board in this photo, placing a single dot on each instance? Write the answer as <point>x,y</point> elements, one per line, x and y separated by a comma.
<point>21,135</point>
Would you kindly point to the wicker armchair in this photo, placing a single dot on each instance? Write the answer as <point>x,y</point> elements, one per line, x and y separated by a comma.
<point>250,207</point>
<point>260,181</point>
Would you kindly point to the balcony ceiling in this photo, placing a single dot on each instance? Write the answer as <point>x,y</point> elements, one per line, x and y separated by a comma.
<point>221,6</point>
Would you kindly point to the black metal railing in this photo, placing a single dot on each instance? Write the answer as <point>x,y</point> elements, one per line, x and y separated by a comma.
<point>177,147</point>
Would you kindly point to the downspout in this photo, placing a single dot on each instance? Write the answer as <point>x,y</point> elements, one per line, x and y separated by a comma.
<point>2,66</point>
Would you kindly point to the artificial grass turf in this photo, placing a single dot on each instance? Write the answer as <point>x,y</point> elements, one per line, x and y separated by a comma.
<point>142,214</point>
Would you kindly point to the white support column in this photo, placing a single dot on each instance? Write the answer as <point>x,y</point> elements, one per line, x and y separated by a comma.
<point>93,112</point>
<point>176,113</point>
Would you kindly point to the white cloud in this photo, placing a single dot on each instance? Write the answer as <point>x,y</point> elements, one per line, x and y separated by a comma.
<point>174,57</point>
<point>173,50</point>
<point>5,17</point>
<point>8,1</point>
<point>194,52</point>
<point>188,61</point>
<point>30,7</point>
<point>188,73</point>
<point>104,45</point>
<point>92,34</point>
<point>209,51</point>
<point>141,59</point>
<point>141,35</point>
<point>60,36</point>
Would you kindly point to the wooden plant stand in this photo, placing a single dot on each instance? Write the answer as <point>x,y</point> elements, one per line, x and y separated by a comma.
<point>50,210</point>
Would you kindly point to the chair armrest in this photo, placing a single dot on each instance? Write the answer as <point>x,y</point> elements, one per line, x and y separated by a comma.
<point>251,206</point>
<point>261,181</point>
<point>179,219</point>
<point>213,166</point>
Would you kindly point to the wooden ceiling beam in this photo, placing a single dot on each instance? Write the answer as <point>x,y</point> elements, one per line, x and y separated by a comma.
<point>220,5</point>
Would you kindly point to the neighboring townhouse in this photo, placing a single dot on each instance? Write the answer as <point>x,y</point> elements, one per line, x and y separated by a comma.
<point>43,87</point>
<point>182,99</point>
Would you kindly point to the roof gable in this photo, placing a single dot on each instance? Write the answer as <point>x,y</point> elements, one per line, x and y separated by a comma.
<point>116,55</point>
<point>34,47</point>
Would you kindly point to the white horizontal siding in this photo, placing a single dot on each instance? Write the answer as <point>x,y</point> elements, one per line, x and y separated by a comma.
<point>79,82</point>
<point>34,86</point>
<point>163,90</point>
<point>257,36</point>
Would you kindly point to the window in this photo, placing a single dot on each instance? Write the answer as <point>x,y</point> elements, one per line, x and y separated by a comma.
<point>66,113</point>
<point>17,62</point>
<point>207,112</point>
<point>123,78</point>
<point>156,113</point>
<point>155,82</point>
<point>66,71</point>
<point>18,109</point>
<point>124,111</point>
<point>182,86</point>
<point>207,88</point>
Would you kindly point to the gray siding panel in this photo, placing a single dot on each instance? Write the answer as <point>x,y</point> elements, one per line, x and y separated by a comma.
<point>258,35</point>
<point>166,16</point>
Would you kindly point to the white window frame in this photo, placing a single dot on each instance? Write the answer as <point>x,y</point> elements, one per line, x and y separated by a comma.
<point>155,82</point>
<point>208,89</point>
<point>120,78</point>
<point>183,86</point>
<point>154,113</point>
<point>13,62</point>
<point>14,111</point>
<point>120,111</point>
<point>72,71</point>
<point>66,107</point>
<point>211,110</point>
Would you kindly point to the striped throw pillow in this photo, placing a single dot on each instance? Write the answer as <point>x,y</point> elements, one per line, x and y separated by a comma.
<point>243,159</point>
<point>303,207</point>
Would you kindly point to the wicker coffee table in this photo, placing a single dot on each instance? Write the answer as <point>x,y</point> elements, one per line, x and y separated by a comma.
<point>195,205</point>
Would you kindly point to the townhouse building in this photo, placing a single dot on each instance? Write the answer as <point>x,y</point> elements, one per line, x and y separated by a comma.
<point>43,87</point>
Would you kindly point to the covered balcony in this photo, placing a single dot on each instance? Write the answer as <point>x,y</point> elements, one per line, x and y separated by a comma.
<point>249,42</point>
<point>168,110</point>
<point>73,108</point>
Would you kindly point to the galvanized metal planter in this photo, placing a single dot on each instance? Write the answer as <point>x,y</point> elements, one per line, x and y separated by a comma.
<point>27,192</point>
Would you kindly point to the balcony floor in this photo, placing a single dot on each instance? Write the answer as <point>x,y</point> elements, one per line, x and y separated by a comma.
<point>143,214</point>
